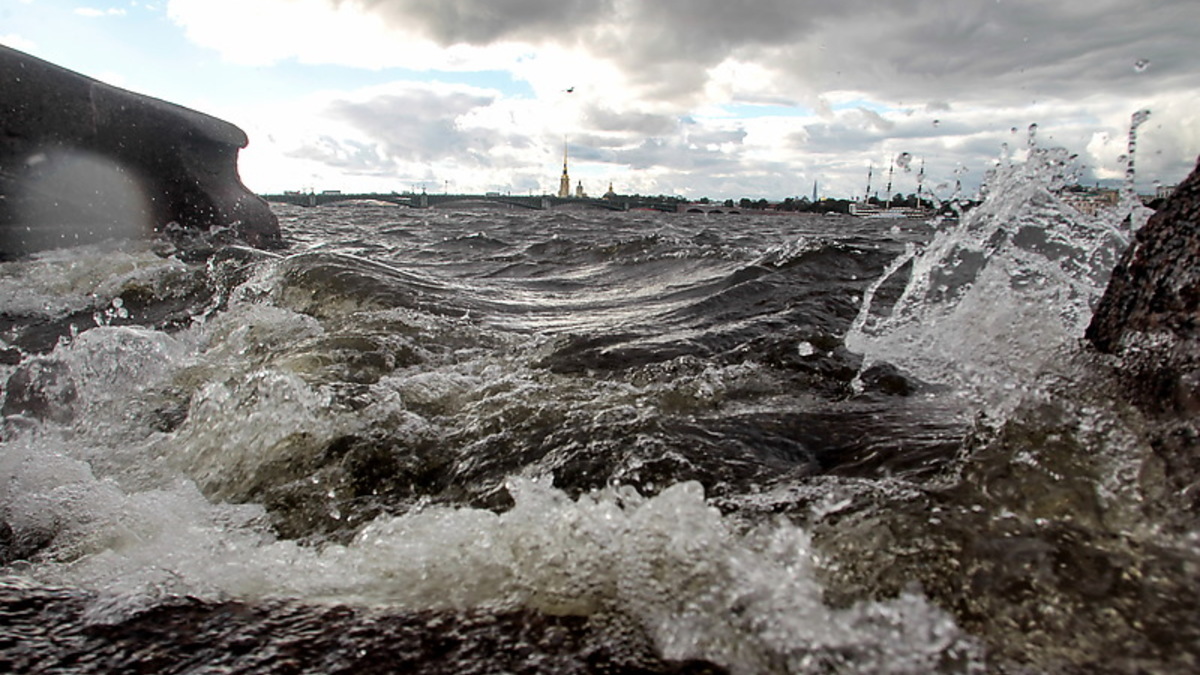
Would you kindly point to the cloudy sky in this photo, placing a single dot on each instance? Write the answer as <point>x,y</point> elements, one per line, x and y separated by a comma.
<point>717,98</point>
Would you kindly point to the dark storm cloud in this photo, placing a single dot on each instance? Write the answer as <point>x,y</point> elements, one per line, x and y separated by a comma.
<point>1008,51</point>
<point>685,37</point>
<point>943,79</point>
<point>981,49</point>
<point>481,22</point>
<point>664,45</point>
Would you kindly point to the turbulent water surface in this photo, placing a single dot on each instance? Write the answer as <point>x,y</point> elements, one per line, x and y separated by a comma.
<point>492,440</point>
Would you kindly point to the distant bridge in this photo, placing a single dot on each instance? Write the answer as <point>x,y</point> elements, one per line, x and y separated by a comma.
<point>425,201</point>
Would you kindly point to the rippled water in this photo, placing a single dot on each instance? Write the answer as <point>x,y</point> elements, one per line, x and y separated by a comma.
<point>572,440</point>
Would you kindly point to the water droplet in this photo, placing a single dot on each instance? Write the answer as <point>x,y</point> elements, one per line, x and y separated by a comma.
<point>1141,65</point>
<point>937,123</point>
<point>904,160</point>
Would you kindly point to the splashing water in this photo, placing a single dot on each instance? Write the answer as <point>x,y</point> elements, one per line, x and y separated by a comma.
<point>991,298</point>
<point>671,563</point>
<point>1129,199</point>
<point>157,480</point>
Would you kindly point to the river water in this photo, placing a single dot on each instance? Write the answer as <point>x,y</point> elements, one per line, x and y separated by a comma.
<point>498,440</point>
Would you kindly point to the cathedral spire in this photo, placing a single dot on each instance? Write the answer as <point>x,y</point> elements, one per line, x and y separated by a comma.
<point>564,184</point>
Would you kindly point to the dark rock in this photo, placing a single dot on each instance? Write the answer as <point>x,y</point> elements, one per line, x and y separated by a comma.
<point>1150,312</point>
<point>21,544</point>
<point>43,389</point>
<point>7,538</point>
<point>886,379</point>
<point>83,161</point>
<point>1149,317</point>
<point>53,630</point>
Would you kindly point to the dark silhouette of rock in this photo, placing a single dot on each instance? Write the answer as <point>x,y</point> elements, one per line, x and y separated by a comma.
<point>48,630</point>
<point>83,161</point>
<point>1150,312</point>
<point>43,389</point>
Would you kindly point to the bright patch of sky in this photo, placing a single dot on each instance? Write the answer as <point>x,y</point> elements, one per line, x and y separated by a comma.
<point>755,110</point>
<point>694,97</point>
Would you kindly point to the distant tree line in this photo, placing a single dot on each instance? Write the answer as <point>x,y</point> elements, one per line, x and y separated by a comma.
<point>805,205</point>
<point>668,199</point>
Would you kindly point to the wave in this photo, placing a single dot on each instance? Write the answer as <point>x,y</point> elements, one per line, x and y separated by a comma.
<point>742,445</point>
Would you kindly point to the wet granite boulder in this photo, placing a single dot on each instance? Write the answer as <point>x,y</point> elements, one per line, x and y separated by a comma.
<point>1150,312</point>
<point>1149,318</point>
<point>83,161</point>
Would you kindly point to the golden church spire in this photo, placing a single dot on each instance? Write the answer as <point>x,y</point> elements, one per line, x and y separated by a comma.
<point>564,184</point>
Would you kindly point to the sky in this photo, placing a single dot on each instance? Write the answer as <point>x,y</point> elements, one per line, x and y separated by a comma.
<point>696,98</point>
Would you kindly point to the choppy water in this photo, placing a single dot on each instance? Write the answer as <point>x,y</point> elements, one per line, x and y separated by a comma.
<point>581,441</point>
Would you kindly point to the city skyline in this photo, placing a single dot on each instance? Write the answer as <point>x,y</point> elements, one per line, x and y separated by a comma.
<point>696,99</point>
<point>882,190</point>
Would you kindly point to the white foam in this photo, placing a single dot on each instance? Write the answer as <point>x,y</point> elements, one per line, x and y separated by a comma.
<point>119,506</point>
<point>701,588</point>
<point>57,282</point>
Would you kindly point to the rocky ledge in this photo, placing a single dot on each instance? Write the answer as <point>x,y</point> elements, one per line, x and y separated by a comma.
<point>82,161</point>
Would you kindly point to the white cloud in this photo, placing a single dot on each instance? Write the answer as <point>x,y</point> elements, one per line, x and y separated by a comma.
<point>658,86</point>
<point>92,12</point>
<point>405,134</point>
<point>392,137</point>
